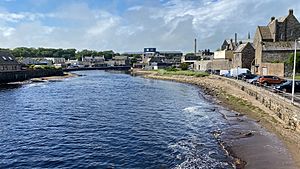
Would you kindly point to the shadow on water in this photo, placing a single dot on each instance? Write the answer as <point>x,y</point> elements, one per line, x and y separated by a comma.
<point>118,71</point>
<point>4,87</point>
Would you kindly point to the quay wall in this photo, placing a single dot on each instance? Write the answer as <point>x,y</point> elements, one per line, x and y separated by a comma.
<point>15,76</point>
<point>98,68</point>
<point>283,108</point>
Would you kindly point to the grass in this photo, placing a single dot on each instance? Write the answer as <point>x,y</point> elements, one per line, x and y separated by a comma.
<point>182,72</point>
<point>297,77</point>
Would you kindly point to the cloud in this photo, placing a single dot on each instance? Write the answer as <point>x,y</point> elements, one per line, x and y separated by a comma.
<point>167,25</point>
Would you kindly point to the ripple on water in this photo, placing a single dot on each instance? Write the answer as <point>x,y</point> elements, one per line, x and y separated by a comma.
<point>104,120</point>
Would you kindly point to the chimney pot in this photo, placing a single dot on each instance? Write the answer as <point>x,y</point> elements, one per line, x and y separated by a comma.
<point>272,18</point>
<point>291,11</point>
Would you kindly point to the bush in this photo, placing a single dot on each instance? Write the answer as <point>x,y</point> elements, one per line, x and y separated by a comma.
<point>184,66</point>
<point>173,68</point>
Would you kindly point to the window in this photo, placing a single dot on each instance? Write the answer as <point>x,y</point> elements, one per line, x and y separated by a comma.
<point>4,58</point>
<point>10,58</point>
<point>291,32</point>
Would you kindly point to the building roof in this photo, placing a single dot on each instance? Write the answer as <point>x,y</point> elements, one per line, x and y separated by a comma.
<point>156,59</point>
<point>241,47</point>
<point>282,19</point>
<point>265,32</point>
<point>279,46</point>
<point>7,58</point>
<point>120,57</point>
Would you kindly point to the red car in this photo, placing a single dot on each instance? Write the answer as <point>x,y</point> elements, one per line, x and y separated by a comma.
<point>270,80</point>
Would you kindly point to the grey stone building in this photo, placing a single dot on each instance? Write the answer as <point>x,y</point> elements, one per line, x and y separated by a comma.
<point>8,62</point>
<point>274,44</point>
<point>243,56</point>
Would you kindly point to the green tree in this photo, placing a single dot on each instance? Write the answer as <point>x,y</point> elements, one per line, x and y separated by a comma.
<point>290,61</point>
<point>184,66</point>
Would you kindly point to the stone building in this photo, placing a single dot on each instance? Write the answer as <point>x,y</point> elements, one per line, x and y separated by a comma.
<point>121,60</point>
<point>8,62</point>
<point>243,56</point>
<point>274,44</point>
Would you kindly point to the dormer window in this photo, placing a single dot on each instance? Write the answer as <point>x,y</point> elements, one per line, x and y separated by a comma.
<point>10,58</point>
<point>4,58</point>
<point>291,32</point>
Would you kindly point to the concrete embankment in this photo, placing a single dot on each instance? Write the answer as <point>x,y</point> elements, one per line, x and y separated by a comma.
<point>15,76</point>
<point>271,111</point>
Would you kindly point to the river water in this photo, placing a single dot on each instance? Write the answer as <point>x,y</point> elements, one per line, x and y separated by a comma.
<point>109,120</point>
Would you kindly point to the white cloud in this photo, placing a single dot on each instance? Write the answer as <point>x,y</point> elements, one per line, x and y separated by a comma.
<point>170,26</point>
<point>7,31</point>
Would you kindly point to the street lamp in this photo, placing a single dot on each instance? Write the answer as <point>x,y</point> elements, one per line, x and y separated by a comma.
<point>294,70</point>
<point>237,73</point>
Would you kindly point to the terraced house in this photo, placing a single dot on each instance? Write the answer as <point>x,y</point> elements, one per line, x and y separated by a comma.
<point>274,44</point>
<point>8,62</point>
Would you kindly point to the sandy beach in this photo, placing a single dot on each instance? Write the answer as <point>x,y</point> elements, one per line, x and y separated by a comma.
<point>257,138</point>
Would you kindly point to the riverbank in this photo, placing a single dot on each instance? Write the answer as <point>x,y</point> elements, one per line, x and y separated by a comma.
<point>24,75</point>
<point>55,78</point>
<point>245,139</point>
<point>47,79</point>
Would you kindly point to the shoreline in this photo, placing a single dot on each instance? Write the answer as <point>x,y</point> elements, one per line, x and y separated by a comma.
<point>66,75</point>
<point>55,78</point>
<point>248,143</point>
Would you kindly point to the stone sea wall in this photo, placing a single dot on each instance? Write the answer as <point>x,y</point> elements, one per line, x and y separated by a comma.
<point>14,76</point>
<point>281,106</point>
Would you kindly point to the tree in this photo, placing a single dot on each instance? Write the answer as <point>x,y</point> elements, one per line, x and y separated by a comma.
<point>290,61</point>
<point>184,66</point>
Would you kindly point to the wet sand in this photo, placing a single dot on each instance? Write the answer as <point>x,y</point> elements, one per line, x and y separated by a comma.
<point>255,138</point>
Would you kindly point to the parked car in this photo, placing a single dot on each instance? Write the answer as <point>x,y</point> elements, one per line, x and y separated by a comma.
<point>253,80</point>
<point>237,71</point>
<point>287,86</point>
<point>245,76</point>
<point>270,80</point>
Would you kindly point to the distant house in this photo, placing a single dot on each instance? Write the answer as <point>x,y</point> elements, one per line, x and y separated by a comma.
<point>224,54</point>
<point>243,56</point>
<point>121,60</point>
<point>190,58</point>
<point>58,62</point>
<point>8,62</point>
<point>93,61</point>
<point>274,44</point>
<point>213,65</point>
<point>229,45</point>
<point>28,61</point>
<point>73,63</point>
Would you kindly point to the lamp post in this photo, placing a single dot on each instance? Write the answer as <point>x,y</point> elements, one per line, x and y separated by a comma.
<point>294,70</point>
<point>237,73</point>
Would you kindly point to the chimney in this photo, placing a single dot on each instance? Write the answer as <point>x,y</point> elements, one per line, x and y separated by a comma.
<point>249,36</point>
<point>291,11</point>
<point>272,18</point>
<point>195,46</point>
<point>235,38</point>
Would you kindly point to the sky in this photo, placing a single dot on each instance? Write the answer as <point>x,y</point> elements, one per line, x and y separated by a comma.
<point>131,25</point>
